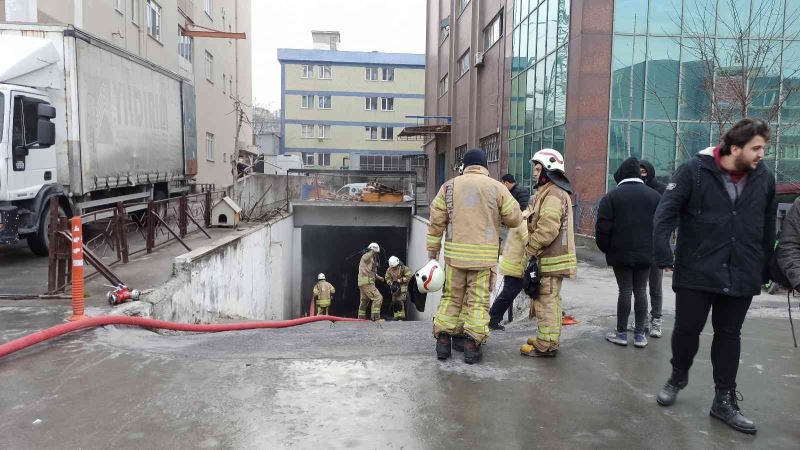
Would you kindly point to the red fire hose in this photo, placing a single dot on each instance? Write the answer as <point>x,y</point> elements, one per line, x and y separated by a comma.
<point>90,322</point>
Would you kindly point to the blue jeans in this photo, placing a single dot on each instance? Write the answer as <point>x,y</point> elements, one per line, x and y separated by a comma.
<point>512,286</point>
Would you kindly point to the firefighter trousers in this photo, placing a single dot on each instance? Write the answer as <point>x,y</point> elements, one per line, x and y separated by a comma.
<point>399,305</point>
<point>464,307</point>
<point>323,310</point>
<point>369,293</point>
<point>546,307</point>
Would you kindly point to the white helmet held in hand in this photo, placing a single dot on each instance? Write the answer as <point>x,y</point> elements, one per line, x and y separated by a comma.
<point>430,278</point>
<point>394,261</point>
<point>549,159</point>
<point>321,276</point>
<point>374,247</point>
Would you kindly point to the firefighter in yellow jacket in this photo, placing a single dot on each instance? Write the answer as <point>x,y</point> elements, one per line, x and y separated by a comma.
<point>323,294</point>
<point>397,277</point>
<point>367,274</point>
<point>551,239</point>
<point>468,211</point>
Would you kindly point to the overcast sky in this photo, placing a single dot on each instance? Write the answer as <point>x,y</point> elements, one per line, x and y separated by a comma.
<point>365,25</point>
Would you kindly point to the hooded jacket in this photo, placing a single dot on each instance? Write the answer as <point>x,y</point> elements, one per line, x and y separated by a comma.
<point>624,227</point>
<point>650,179</point>
<point>723,245</point>
<point>522,195</point>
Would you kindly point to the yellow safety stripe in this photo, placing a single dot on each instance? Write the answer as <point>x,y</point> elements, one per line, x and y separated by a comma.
<point>433,240</point>
<point>476,259</point>
<point>438,203</point>
<point>462,245</point>
<point>507,206</point>
<point>507,265</point>
<point>558,267</point>
<point>477,321</point>
<point>558,259</point>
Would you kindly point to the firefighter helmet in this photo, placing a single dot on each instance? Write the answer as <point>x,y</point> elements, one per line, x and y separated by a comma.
<point>430,278</point>
<point>374,247</point>
<point>394,261</point>
<point>551,160</point>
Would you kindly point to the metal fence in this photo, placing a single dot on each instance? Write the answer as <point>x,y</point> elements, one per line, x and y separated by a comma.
<point>585,216</point>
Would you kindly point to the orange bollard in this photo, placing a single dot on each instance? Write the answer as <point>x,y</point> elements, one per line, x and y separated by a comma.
<point>76,228</point>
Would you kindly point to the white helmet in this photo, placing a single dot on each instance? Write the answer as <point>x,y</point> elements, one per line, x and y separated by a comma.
<point>394,261</point>
<point>321,276</point>
<point>374,247</point>
<point>549,159</point>
<point>430,278</point>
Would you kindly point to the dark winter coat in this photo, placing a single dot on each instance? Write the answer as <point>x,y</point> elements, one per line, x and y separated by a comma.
<point>650,180</point>
<point>788,251</point>
<point>723,246</point>
<point>522,195</point>
<point>624,228</point>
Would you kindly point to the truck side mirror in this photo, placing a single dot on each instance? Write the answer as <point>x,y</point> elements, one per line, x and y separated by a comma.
<point>45,129</point>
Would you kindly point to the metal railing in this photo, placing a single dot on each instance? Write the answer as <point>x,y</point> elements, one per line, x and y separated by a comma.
<point>321,185</point>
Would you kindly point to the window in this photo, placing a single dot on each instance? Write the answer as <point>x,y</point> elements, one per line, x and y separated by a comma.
<point>25,128</point>
<point>135,12</point>
<point>308,72</point>
<point>387,134</point>
<point>443,85</point>
<point>324,159</point>
<point>153,19</point>
<point>119,6</point>
<point>307,131</point>
<point>307,102</point>
<point>379,162</point>
<point>371,133</point>
<point>493,31</point>
<point>308,159</point>
<point>490,144</point>
<point>209,147</point>
<point>184,46</point>
<point>371,74</point>
<point>464,4</point>
<point>460,150</point>
<point>387,74</point>
<point>371,103</point>
<point>324,131</point>
<point>324,102</point>
<point>387,103</point>
<point>209,67</point>
<point>324,72</point>
<point>463,64</point>
<point>444,28</point>
<point>208,7</point>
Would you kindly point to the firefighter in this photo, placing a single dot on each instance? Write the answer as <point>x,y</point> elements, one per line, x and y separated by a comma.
<point>468,211</point>
<point>323,295</point>
<point>397,277</point>
<point>367,274</point>
<point>551,239</point>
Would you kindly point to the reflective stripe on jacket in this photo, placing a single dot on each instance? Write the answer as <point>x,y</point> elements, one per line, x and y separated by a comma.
<point>514,259</point>
<point>401,274</point>
<point>551,234</point>
<point>323,292</point>
<point>367,268</point>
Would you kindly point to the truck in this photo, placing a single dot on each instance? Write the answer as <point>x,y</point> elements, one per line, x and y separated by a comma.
<point>87,123</point>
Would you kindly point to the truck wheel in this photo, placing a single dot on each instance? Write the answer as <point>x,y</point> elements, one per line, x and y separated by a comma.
<point>39,242</point>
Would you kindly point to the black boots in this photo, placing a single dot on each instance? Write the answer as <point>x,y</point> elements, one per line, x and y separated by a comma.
<point>676,382</point>
<point>458,342</point>
<point>443,346</point>
<point>726,409</point>
<point>472,351</point>
<point>496,326</point>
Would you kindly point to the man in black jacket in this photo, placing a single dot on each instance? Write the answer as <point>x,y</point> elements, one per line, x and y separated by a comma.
<point>788,250</point>
<point>724,201</point>
<point>656,278</point>
<point>521,194</point>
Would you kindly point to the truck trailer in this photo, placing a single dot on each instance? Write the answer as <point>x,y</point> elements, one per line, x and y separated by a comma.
<point>88,123</point>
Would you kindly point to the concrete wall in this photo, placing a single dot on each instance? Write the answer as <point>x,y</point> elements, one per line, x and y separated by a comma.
<point>243,276</point>
<point>248,190</point>
<point>418,257</point>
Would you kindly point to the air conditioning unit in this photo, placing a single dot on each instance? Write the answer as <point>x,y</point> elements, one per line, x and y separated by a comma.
<point>478,59</point>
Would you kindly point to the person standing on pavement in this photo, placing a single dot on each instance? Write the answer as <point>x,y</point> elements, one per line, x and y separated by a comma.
<point>521,194</point>
<point>624,232</point>
<point>397,277</point>
<point>723,201</point>
<point>367,274</point>
<point>512,267</point>
<point>551,239</point>
<point>788,249</point>
<point>468,211</point>
<point>648,174</point>
<point>323,295</point>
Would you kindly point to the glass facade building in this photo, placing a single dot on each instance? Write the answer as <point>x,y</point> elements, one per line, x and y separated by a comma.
<point>538,81</point>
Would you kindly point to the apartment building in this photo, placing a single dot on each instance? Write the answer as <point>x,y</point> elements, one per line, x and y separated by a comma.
<point>344,110</point>
<point>218,67</point>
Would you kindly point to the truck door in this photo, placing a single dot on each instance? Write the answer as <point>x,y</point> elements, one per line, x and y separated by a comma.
<point>30,167</point>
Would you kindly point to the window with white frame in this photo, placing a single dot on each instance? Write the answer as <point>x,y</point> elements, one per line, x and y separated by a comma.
<point>324,159</point>
<point>308,72</point>
<point>208,7</point>
<point>307,131</point>
<point>307,101</point>
<point>119,5</point>
<point>443,85</point>
<point>209,146</point>
<point>387,103</point>
<point>209,67</point>
<point>135,12</point>
<point>324,131</point>
<point>387,134</point>
<point>493,31</point>
<point>184,46</point>
<point>463,64</point>
<point>153,19</point>
<point>371,103</point>
<point>387,74</point>
<point>308,159</point>
<point>371,73</point>
<point>324,72</point>
<point>379,162</point>
<point>324,102</point>
<point>371,133</point>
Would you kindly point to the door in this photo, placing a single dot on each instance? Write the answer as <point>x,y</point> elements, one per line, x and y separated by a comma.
<point>441,168</point>
<point>31,167</point>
